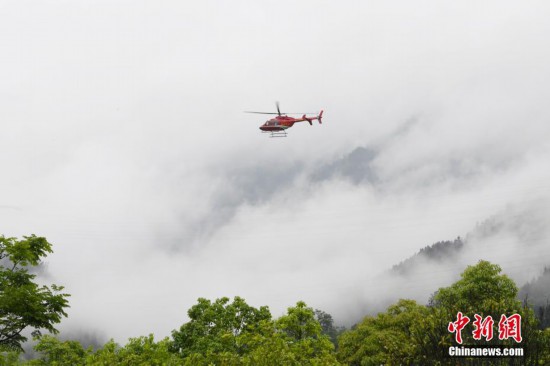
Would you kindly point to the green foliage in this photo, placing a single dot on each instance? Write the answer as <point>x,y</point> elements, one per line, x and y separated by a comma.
<point>23,303</point>
<point>138,351</point>
<point>413,334</point>
<point>299,323</point>
<point>214,327</point>
<point>386,338</point>
<point>234,333</point>
<point>303,335</point>
<point>223,333</point>
<point>144,351</point>
<point>57,353</point>
<point>10,358</point>
<point>327,326</point>
<point>481,289</point>
<point>267,347</point>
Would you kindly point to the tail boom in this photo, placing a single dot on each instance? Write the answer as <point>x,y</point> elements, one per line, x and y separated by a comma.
<point>311,119</point>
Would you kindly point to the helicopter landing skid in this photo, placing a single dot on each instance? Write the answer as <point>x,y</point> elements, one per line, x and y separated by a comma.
<point>281,133</point>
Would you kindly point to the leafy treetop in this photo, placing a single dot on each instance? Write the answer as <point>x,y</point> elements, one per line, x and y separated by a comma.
<point>23,303</point>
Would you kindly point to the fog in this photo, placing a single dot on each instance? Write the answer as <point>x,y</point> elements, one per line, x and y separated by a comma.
<point>125,145</point>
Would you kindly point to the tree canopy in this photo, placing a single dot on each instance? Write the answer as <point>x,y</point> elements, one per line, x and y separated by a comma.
<point>408,333</point>
<point>232,332</point>
<point>24,303</point>
<point>236,333</point>
<point>214,327</point>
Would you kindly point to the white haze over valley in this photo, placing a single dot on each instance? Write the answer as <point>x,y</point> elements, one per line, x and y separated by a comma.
<point>123,142</point>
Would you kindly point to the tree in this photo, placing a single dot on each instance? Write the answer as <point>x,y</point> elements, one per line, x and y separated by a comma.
<point>484,291</point>
<point>56,353</point>
<point>327,326</point>
<point>411,334</point>
<point>214,327</point>
<point>303,335</point>
<point>481,288</point>
<point>387,338</point>
<point>299,323</point>
<point>138,351</point>
<point>9,358</point>
<point>23,303</point>
<point>223,333</point>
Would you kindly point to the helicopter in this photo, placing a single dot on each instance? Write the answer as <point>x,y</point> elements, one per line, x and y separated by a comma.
<point>277,126</point>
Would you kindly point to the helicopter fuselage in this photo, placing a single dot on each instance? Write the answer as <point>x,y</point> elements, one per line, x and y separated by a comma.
<point>278,123</point>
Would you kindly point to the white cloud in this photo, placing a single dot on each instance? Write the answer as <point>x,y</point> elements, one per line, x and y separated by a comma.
<point>124,143</point>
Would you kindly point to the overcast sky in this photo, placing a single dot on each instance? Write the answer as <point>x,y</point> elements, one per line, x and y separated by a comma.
<point>123,141</point>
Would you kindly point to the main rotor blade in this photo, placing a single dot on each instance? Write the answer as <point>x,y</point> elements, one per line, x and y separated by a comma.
<point>260,112</point>
<point>300,113</point>
<point>281,112</point>
<point>278,110</point>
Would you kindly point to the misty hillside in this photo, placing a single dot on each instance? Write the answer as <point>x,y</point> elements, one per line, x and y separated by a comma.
<point>517,232</point>
<point>537,293</point>
<point>440,252</point>
<point>355,166</point>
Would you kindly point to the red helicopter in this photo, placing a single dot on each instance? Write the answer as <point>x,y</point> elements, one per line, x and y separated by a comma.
<point>277,126</point>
